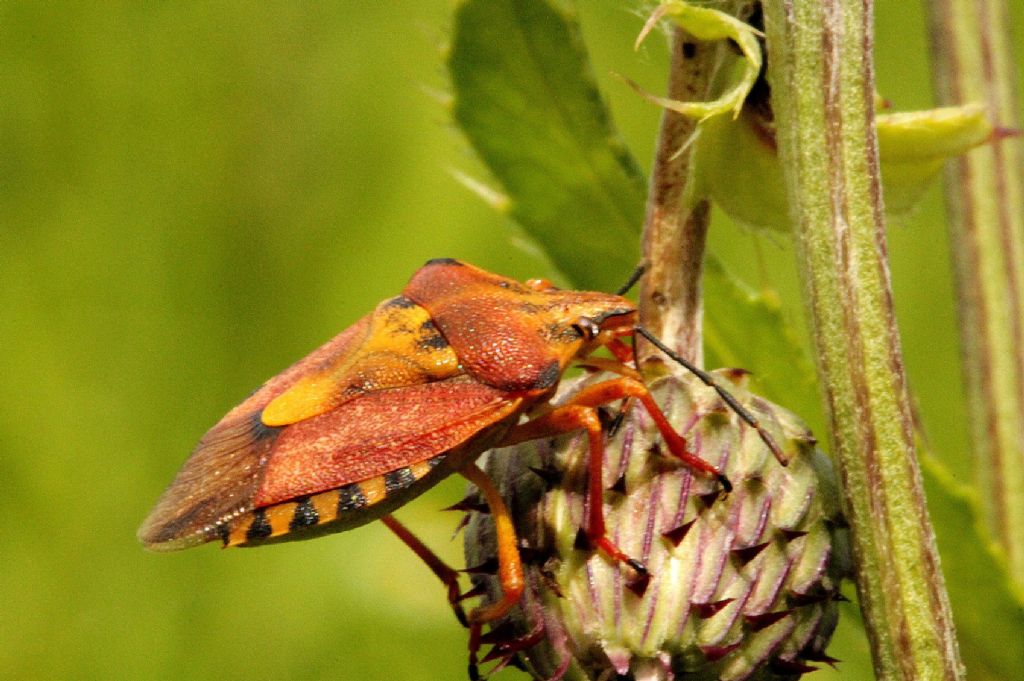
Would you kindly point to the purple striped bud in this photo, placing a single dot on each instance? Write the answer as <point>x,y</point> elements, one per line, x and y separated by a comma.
<point>742,585</point>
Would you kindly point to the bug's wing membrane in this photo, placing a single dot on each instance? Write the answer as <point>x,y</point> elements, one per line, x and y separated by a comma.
<point>384,431</point>
<point>241,465</point>
<point>221,477</point>
<point>217,482</point>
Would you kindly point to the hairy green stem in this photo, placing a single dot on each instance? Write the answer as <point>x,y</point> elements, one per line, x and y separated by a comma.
<point>972,62</point>
<point>822,78</point>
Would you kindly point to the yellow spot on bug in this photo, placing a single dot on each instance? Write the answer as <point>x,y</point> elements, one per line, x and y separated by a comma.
<point>374,490</point>
<point>400,349</point>
<point>238,529</point>
<point>326,505</point>
<point>280,517</point>
<point>420,469</point>
<point>308,397</point>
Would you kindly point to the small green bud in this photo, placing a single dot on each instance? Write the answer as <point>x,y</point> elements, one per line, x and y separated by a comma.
<point>736,162</point>
<point>742,586</point>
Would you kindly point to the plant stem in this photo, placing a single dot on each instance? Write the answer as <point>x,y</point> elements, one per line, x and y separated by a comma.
<point>972,62</point>
<point>822,78</point>
<point>675,229</point>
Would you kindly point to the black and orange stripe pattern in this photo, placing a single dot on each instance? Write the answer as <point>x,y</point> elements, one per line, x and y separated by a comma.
<point>319,512</point>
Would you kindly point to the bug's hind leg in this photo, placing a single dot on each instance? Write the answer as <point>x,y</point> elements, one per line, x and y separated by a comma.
<point>510,567</point>
<point>447,574</point>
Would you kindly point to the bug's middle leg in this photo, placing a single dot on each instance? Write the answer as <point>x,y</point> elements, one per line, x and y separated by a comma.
<point>565,419</point>
<point>580,413</point>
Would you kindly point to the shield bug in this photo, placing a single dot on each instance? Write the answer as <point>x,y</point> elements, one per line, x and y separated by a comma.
<point>461,361</point>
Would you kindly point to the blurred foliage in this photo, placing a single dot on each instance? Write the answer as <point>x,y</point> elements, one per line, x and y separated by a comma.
<point>525,97</point>
<point>742,327</point>
<point>192,196</point>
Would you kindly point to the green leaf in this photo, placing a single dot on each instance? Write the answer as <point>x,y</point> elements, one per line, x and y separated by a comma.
<point>989,615</point>
<point>526,99</point>
<point>913,147</point>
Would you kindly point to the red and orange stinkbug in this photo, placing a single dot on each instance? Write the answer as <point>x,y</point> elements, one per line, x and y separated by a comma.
<point>462,361</point>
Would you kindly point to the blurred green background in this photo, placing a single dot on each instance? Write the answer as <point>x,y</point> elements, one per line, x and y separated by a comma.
<point>194,195</point>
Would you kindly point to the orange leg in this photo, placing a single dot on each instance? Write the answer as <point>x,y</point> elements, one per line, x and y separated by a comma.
<point>581,413</point>
<point>446,574</point>
<point>603,393</point>
<point>709,381</point>
<point>620,350</point>
<point>565,419</point>
<point>510,567</point>
<point>609,364</point>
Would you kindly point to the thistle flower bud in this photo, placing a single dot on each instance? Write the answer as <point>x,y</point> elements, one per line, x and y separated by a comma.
<point>742,586</point>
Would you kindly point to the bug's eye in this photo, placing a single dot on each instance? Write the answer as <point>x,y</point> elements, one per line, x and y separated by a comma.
<point>586,328</point>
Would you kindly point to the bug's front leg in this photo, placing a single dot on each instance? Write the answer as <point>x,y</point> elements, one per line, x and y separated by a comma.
<point>614,389</point>
<point>580,413</point>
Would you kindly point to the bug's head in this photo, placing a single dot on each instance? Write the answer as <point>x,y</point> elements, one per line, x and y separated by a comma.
<point>585,320</point>
<point>599,329</point>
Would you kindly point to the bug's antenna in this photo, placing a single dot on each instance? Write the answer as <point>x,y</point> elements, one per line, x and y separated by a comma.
<point>633,278</point>
<point>726,396</point>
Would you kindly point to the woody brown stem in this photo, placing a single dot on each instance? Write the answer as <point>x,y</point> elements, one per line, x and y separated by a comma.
<point>675,227</point>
